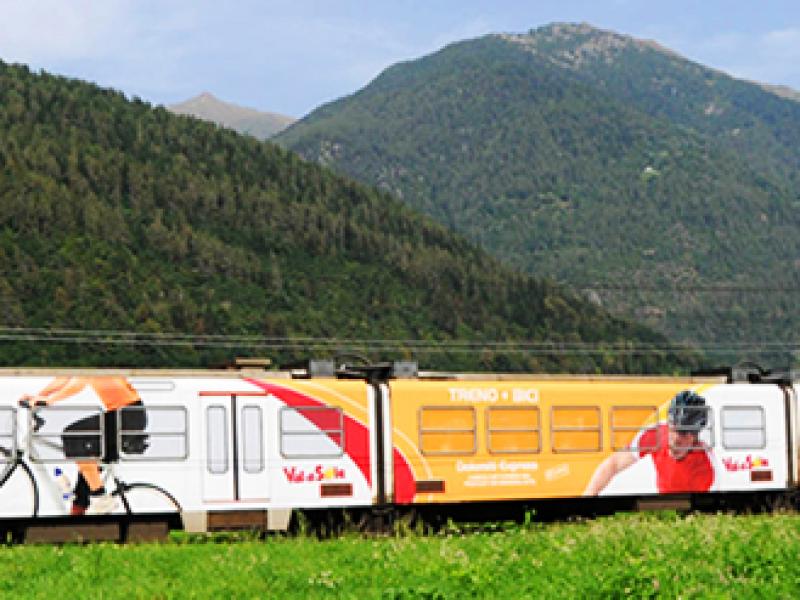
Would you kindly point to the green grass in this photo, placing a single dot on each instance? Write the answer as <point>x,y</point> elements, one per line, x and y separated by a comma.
<point>650,555</point>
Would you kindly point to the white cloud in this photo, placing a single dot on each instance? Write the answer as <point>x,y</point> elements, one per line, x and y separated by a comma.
<point>58,30</point>
<point>139,46</point>
<point>783,43</point>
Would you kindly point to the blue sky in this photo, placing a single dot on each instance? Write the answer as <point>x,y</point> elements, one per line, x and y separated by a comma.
<point>290,57</point>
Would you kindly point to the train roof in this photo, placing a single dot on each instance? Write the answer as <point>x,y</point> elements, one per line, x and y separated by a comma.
<point>408,370</point>
<point>350,374</point>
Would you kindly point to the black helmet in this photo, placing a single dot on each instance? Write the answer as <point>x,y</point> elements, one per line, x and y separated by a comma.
<point>687,412</point>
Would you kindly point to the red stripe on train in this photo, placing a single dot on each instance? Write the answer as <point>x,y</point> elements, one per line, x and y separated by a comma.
<point>356,435</point>
<point>356,441</point>
<point>404,485</point>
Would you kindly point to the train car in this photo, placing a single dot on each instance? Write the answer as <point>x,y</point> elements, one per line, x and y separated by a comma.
<point>471,440</point>
<point>200,450</point>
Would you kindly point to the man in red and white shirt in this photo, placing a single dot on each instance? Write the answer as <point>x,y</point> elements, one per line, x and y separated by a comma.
<point>682,462</point>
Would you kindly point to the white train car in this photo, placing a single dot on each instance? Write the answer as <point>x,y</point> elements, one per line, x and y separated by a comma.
<point>216,451</point>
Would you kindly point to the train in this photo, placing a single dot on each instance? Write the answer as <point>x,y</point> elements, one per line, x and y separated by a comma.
<point>134,453</point>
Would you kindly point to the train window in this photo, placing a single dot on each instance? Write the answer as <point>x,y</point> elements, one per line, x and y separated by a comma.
<point>8,437</point>
<point>705,432</point>
<point>447,430</point>
<point>252,439</point>
<point>74,432</point>
<point>152,433</point>
<point>513,429</point>
<point>743,428</point>
<point>627,421</point>
<point>217,439</point>
<point>576,428</point>
<point>311,432</point>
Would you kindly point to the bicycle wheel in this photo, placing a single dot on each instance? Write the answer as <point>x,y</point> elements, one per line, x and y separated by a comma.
<point>19,494</point>
<point>146,498</point>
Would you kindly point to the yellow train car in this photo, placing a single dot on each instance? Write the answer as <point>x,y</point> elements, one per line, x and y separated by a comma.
<point>477,440</point>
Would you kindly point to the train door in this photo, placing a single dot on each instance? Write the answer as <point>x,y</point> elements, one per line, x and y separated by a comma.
<point>234,439</point>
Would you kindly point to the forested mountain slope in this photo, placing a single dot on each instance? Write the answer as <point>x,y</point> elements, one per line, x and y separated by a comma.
<point>666,190</point>
<point>115,216</point>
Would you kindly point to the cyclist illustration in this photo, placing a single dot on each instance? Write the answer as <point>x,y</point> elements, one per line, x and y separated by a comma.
<point>682,462</point>
<point>115,393</point>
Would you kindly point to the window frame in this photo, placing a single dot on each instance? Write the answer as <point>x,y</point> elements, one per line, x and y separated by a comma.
<point>12,436</point>
<point>226,440</point>
<point>318,432</point>
<point>762,429</point>
<point>699,430</point>
<point>422,432</point>
<point>612,429</point>
<point>489,430</point>
<point>554,429</point>
<point>149,410</point>
<point>261,458</point>
<point>92,410</point>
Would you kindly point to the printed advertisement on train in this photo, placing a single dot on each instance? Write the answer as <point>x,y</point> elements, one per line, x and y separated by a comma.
<point>465,441</point>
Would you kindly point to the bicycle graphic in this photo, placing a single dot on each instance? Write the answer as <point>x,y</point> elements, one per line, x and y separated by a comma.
<point>27,454</point>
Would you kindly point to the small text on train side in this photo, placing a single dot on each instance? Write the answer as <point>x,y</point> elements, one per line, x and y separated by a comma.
<point>318,473</point>
<point>492,395</point>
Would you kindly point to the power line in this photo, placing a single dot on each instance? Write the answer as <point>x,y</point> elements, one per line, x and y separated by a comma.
<point>248,338</point>
<point>747,289</point>
<point>608,285</point>
<point>325,344</point>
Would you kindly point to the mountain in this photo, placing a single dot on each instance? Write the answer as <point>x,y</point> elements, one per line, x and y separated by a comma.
<point>248,121</point>
<point>783,91</point>
<point>665,190</point>
<point>118,218</point>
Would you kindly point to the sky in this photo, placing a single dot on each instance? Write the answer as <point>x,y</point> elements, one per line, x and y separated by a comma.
<point>290,57</point>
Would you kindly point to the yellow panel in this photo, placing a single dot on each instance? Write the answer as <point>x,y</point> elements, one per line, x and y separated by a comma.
<point>567,441</point>
<point>447,443</point>
<point>493,471</point>
<point>433,418</point>
<point>513,418</point>
<point>622,439</point>
<point>514,441</point>
<point>576,417</point>
<point>631,416</point>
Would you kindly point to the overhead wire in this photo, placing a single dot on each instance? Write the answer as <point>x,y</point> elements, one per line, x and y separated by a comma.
<point>682,288</point>
<point>540,347</point>
<point>601,285</point>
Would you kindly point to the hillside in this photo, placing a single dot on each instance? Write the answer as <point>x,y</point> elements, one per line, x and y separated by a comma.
<point>783,91</point>
<point>247,121</point>
<point>117,217</point>
<point>667,191</point>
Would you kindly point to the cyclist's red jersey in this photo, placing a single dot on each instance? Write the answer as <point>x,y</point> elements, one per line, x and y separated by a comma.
<point>693,473</point>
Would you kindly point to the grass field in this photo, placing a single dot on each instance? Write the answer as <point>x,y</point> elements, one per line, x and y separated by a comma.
<point>641,555</point>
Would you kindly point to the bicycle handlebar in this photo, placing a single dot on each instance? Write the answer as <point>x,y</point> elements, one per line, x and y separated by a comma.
<point>38,421</point>
<point>25,402</point>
